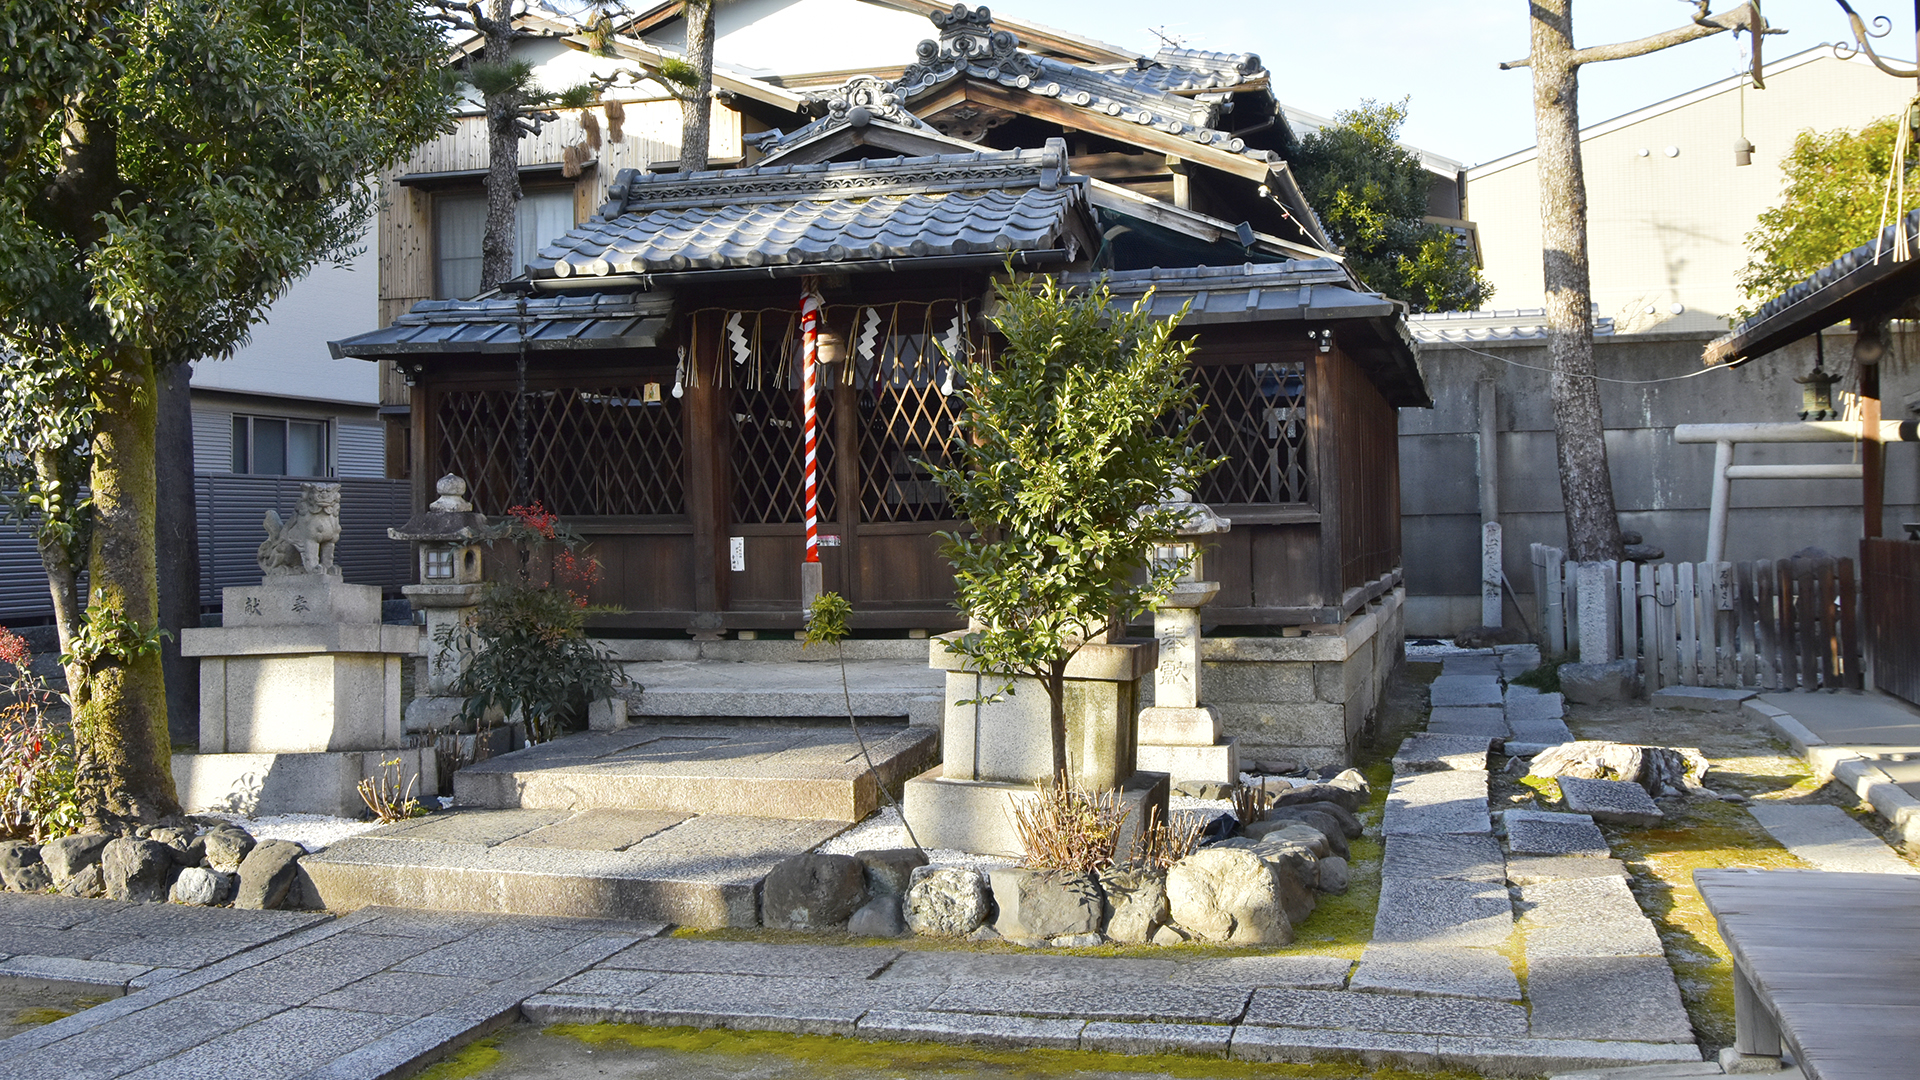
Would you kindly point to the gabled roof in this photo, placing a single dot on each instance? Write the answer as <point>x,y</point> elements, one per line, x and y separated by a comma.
<point>538,324</point>
<point>828,216</point>
<point>1194,71</point>
<point>1864,283</point>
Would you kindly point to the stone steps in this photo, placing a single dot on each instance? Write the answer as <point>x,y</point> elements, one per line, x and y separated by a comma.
<point>776,771</point>
<point>785,689</point>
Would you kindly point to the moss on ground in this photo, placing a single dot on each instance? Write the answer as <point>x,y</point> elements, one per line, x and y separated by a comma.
<point>40,1017</point>
<point>830,1055</point>
<point>470,1060</point>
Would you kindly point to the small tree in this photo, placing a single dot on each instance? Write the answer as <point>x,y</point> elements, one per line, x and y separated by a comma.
<point>1371,193</point>
<point>1067,445</point>
<point>1830,203</point>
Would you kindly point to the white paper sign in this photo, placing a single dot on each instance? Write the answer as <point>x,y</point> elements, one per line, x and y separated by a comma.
<point>737,551</point>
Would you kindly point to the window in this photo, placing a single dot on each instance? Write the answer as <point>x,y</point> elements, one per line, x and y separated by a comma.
<point>460,220</point>
<point>277,446</point>
<point>1254,416</point>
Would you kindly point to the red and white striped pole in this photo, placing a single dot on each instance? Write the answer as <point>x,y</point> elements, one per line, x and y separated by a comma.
<point>811,583</point>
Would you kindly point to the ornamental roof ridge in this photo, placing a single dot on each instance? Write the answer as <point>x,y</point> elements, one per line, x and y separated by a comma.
<point>856,103</point>
<point>635,191</point>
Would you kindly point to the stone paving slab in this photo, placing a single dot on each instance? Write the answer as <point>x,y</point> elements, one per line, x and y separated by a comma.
<point>1420,969</point>
<point>1631,998</point>
<point>1826,837</point>
<point>1297,972</point>
<point>1533,705</point>
<point>1105,1000</point>
<point>65,975</point>
<point>988,967</point>
<point>1702,698</point>
<point>1430,752</point>
<point>1471,664</point>
<point>1205,1040</point>
<point>1386,1012</point>
<point>56,912</point>
<point>151,1035</point>
<point>1532,832</point>
<point>1415,911</point>
<point>1538,734</point>
<point>1490,721</point>
<point>1005,1031</point>
<point>777,688</point>
<point>1371,1048</point>
<point>1620,802</point>
<point>754,958</point>
<point>1585,917</point>
<point>1464,690</point>
<point>282,1045</point>
<point>1534,869</point>
<point>1533,1057</point>
<point>1437,803</point>
<point>1457,858</point>
<point>1518,660</point>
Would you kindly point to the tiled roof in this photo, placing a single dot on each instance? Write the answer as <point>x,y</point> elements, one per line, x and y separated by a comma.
<point>543,323</point>
<point>1187,71</point>
<point>953,204</point>
<point>1511,324</point>
<point>1794,313</point>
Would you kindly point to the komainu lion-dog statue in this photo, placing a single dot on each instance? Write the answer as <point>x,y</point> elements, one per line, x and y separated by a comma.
<point>305,544</point>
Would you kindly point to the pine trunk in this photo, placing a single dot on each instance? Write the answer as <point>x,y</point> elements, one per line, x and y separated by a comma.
<point>696,109</point>
<point>500,242</point>
<point>122,706</point>
<point>1586,484</point>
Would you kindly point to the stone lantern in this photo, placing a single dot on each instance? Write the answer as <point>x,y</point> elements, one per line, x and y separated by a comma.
<point>450,535</point>
<point>1178,735</point>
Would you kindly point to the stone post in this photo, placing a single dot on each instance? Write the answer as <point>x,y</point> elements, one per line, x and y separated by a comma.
<point>1178,735</point>
<point>452,577</point>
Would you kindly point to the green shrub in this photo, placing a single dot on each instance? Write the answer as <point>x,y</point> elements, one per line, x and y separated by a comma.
<point>39,760</point>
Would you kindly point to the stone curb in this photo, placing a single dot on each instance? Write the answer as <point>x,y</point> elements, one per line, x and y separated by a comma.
<point>1860,774</point>
<point>61,974</point>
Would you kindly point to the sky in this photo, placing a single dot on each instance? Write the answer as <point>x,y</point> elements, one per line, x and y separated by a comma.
<point>1444,55</point>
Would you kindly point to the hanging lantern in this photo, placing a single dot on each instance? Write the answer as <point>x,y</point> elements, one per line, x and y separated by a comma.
<point>1742,151</point>
<point>1816,387</point>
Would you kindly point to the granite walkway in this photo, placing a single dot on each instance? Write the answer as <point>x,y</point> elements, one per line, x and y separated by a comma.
<point>1464,897</point>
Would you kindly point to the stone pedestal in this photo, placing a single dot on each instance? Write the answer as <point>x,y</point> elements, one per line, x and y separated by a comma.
<point>995,752</point>
<point>434,708</point>
<point>299,700</point>
<point>1178,735</point>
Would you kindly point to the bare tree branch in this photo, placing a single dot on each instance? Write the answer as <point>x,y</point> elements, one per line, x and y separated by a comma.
<point>1703,25</point>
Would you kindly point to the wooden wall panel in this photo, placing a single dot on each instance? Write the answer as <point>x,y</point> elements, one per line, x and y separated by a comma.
<point>644,572</point>
<point>902,569</point>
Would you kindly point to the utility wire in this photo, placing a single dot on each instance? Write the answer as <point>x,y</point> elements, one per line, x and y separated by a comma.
<point>1596,378</point>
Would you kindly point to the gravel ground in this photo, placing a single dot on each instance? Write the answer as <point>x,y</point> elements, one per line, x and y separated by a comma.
<point>311,831</point>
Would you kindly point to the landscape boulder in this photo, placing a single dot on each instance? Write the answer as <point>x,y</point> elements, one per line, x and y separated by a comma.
<point>1349,824</point>
<point>1334,875</point>
<point>267,875</point>
<point>140,871</point>
<point>89,883</point>
<point>1292,830</point>
<point>890,871</point>
<point>1228,896</point>
<point>1205,789</point>
<point>201,887</point>
<point>188,848</point>
<point>69,855</point>
<point>1135,903</point>
<point>812,892</point>
<point>880,917</point>
<point>1600,684</point>
<point>946,902</point>
<point>1039,905</point>
<point>1660,770</point>
<point>1332,836</point>
<point>226,846</point>
<point>21,869</point>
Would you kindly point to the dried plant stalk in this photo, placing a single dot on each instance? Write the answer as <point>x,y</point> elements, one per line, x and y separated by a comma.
<point>386,798</point>
<point>616,119</point>
<point>1250,803</point>
<point>590,123</point>
<point>571,157</point>
<point>1066,828</point>
<point>1163,843</point>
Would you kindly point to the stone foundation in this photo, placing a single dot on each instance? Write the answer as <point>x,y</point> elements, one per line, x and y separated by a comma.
<point>1306,698</point>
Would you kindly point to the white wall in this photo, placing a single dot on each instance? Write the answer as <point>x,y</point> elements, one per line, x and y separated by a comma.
<point>287,356</point>
<point>791,37</point>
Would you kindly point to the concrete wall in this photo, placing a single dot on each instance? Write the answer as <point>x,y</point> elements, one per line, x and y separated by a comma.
<point>1662,488</point>
<point>1669,230</point>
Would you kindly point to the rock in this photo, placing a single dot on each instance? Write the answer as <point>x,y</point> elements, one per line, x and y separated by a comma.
<point>1620,802</point>
<point>267,873</point>
<point>1660,770</point>
<point>1332,837</point>
<point>1168,935</point>
<point>1486,637</point>
<point>1205,789</point>
<point>69,855</point>
<point>1334,875</point>
<point>1300,832</point>
<point>1345,797</point>
<point>1136,903</point>
<point>1076,941</point>
<point>890,871</point>
<point>1628,536</point>
<point>87,883</point>
<point>946,902</point>
<point>983,932</point>
<point>1277,767</point>
<point>226,846</point>
<point>188,848</point>
<point>137,870</point>
<point>1349,824</point>
<point>879,917</point>
<point>201,887</point>
<point>1230,896</point>
<point>812,892</point>
<point>21,869</point>
<point>1598,684</point>
<point>1643,553</point>
<point>1352,780</point>
<point>1045,903</point>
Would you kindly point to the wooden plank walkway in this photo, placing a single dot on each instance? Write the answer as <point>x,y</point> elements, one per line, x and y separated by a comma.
<point>1828,964</point>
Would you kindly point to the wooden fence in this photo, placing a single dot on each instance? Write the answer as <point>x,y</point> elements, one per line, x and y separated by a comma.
<point>1772,624</point>
<point>1890,588</point>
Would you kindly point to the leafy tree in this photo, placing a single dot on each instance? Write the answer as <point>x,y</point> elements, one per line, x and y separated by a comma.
<point>1371,194</point>
<point>1586,480</point>
<point>167,168</point>
<point>1068,443</point>
<point>1830,203</point>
